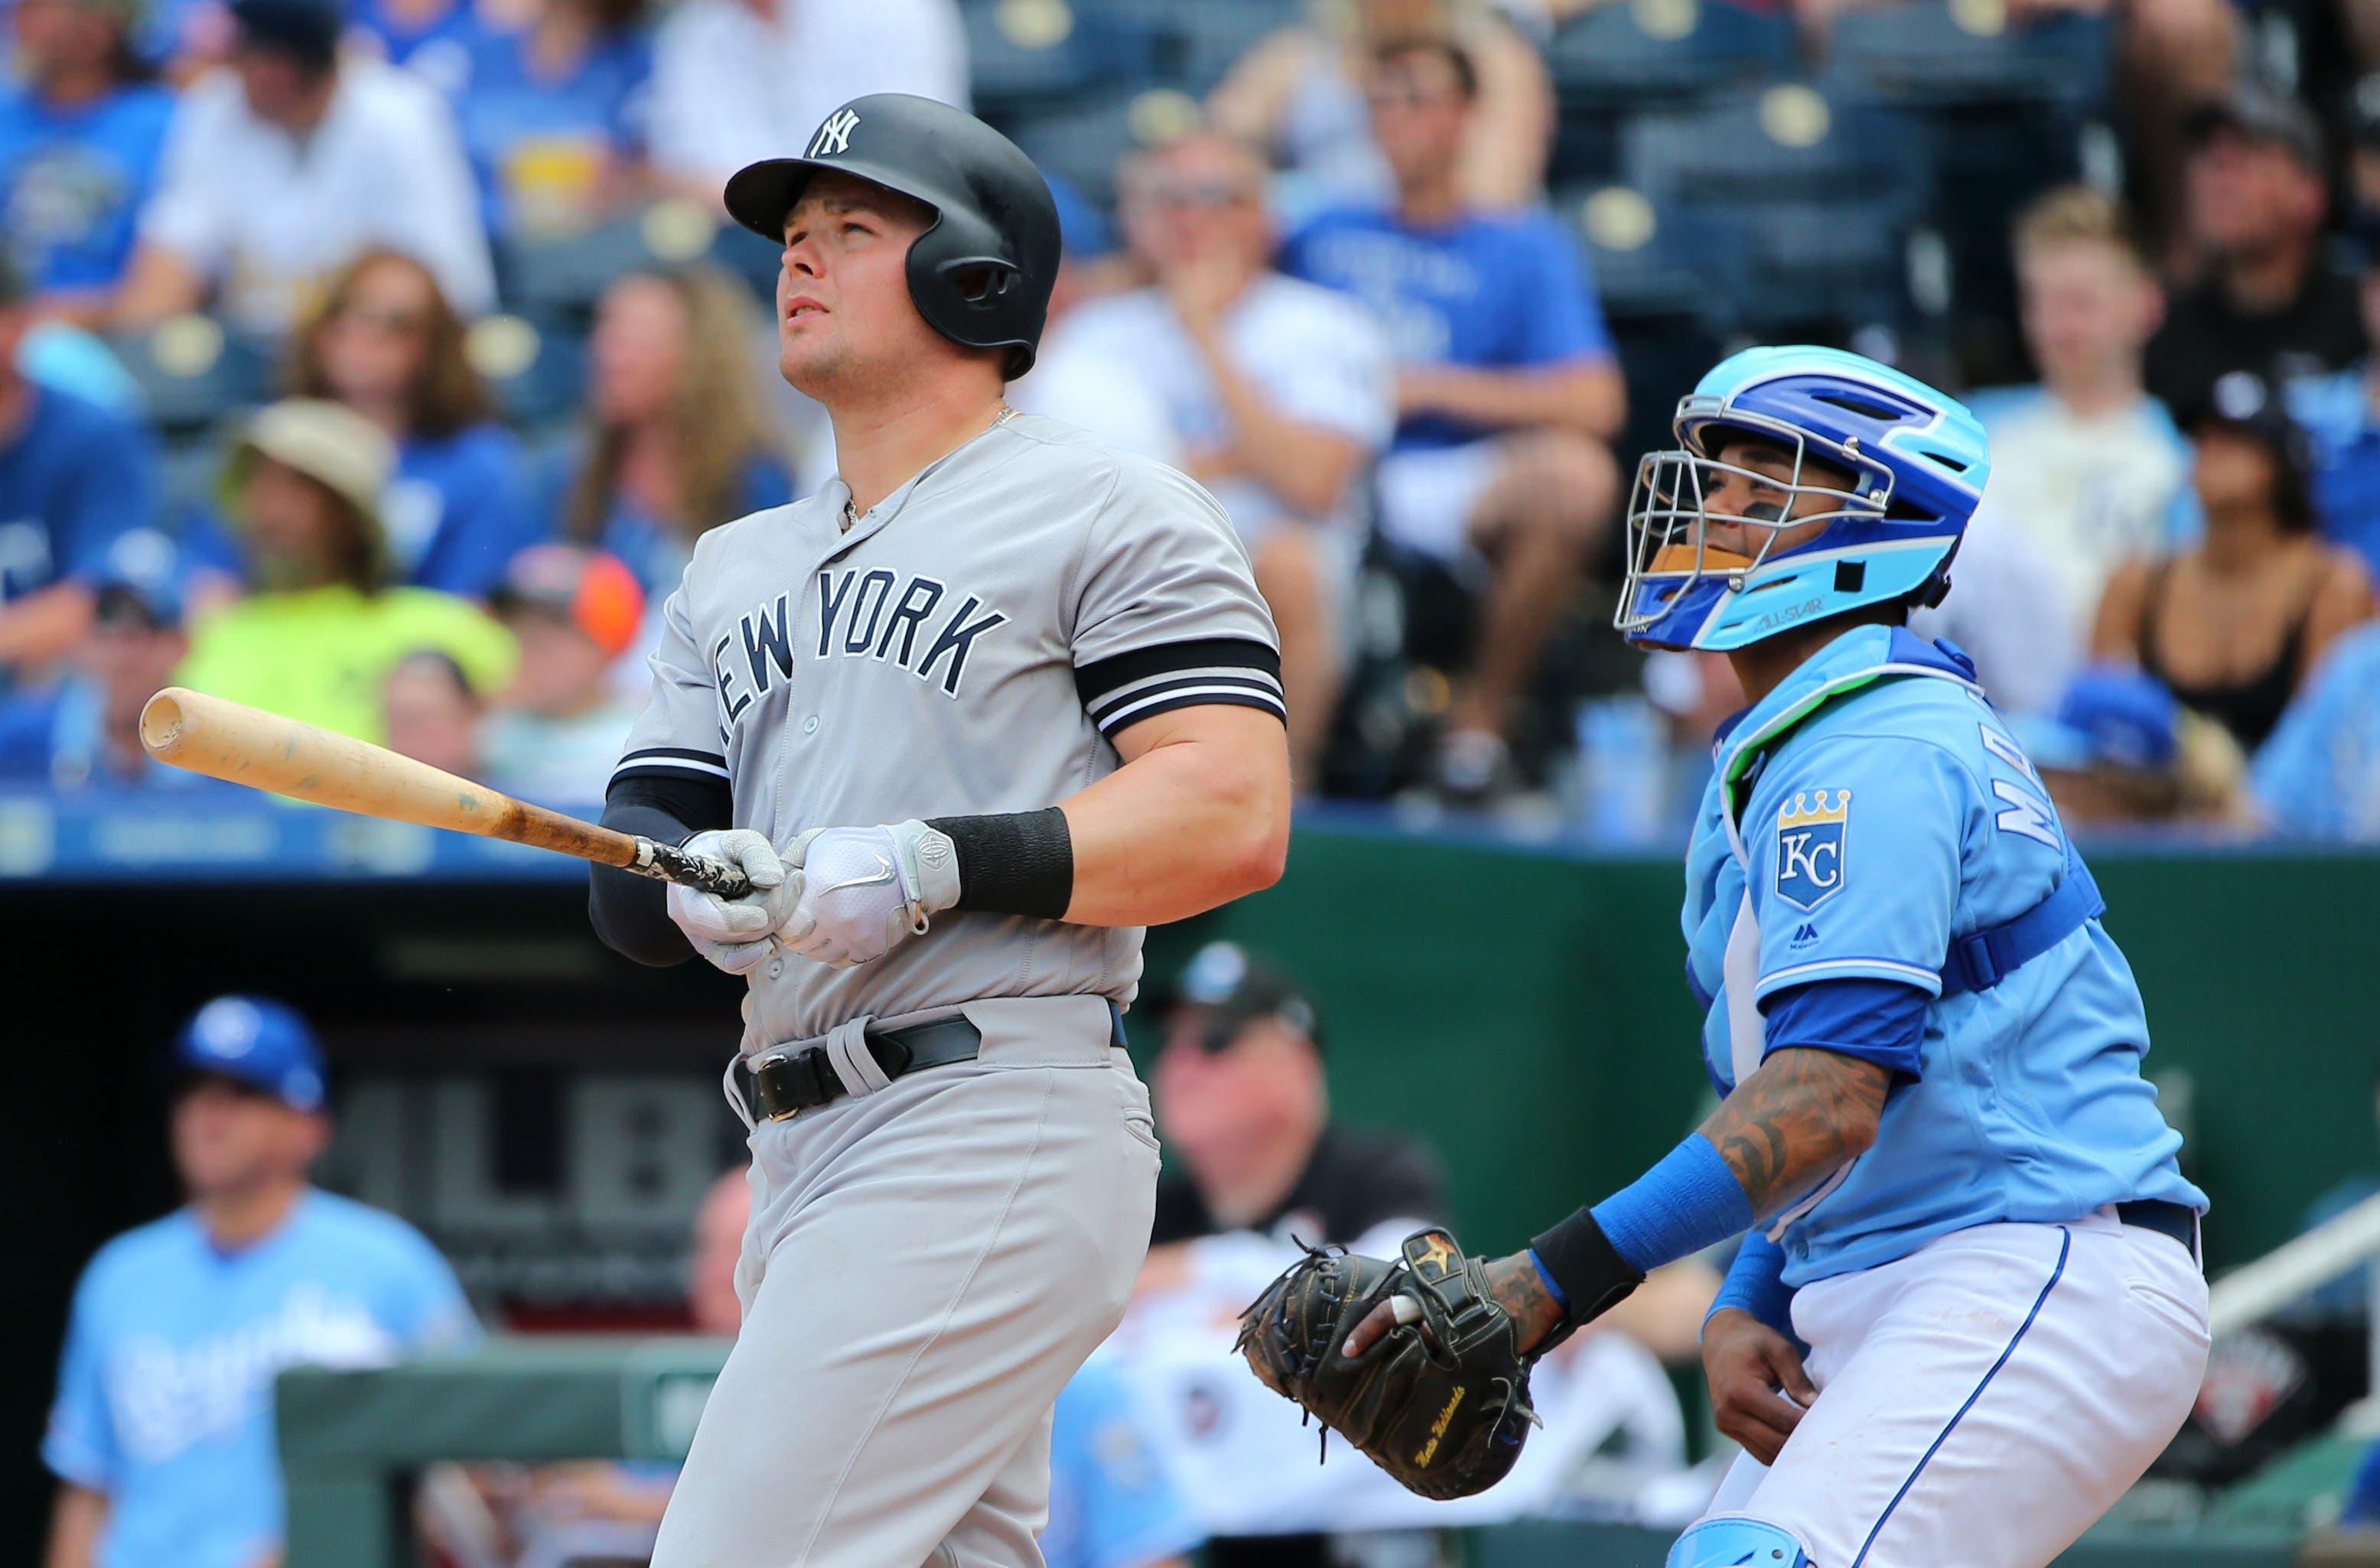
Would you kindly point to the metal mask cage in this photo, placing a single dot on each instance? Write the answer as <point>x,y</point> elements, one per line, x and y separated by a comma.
<point>1667,519</point>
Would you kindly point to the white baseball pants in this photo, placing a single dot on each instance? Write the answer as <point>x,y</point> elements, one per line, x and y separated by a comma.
<point>1984,1398</point>
<point>925,1267</point>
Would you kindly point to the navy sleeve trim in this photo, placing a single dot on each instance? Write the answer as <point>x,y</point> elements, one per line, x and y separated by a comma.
<point>678,760</point>
<point>1128,688</point>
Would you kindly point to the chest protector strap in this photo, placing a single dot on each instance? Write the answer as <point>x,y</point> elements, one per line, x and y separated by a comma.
<point>1980,960</point>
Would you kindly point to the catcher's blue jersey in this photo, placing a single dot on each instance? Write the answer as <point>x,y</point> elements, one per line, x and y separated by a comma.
<point>1880,811</point>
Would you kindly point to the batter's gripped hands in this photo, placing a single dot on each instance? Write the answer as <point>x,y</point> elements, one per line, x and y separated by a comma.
<point>861,890</point>
<point>1515,1282</point>
<point>734,934</point>
<point>1748,1364</point>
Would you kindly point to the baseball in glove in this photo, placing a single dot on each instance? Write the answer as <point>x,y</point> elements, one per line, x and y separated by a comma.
<point>1441,1401</point>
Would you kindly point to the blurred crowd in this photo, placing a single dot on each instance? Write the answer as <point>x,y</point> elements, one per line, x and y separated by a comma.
<point>379,360</point>
<point>162,1442</point>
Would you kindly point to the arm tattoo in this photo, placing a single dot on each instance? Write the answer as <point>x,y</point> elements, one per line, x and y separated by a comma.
<point>1804,1112</point>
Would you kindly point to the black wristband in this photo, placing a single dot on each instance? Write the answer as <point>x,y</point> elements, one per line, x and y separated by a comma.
<point>1592,1274</point>
<point>1016,863</point>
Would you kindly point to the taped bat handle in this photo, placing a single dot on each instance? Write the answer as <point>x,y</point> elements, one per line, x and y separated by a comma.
<point>668,863</point>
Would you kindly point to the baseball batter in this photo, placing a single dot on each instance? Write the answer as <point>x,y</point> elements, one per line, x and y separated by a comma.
<point>1970,1310</point>
<point>990,701</point>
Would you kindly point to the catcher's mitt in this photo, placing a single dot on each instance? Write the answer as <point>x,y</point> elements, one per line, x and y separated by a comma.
<point>1441,1401</point>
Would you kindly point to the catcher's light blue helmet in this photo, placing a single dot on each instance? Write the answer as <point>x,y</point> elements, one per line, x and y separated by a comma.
<point>1917,461</point>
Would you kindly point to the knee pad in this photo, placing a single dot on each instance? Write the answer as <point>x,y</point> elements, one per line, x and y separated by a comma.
<point>1737,1543</point>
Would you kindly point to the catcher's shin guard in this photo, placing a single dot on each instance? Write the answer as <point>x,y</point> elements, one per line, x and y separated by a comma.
<point>1737,1543</point>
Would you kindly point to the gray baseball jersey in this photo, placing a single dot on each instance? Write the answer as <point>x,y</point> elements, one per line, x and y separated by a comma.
<point>971,644</point>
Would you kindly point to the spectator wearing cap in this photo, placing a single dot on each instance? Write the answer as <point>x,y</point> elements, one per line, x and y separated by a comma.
<point>74,477</point>
<point>386,343</point>
<point>81,137</point>
<point>281,168</point>
<point>2340,414</point>
<point>1278,394</point>
<point>2234,624</point>
<point>553,114</point>
<point>1240,1095</point>
<point>2319,774</point>
<point>84,730</point>
<point>556,731</point>
<point>675,438</point>
<point>162,1438</point>
<point>2256,189</point>
<point>736,80</point>
<point>2089,470</point>
<point>1508,391</point>
<point>2120,750</point>
<point>320,629</point>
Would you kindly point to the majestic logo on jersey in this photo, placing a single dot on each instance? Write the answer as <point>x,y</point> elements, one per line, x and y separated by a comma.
<point>834,134</point>
<point>1810,847</point>
<point>874,614</point>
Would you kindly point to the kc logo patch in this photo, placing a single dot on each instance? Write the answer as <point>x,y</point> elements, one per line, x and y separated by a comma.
<point>835,135</point>
<point>1810,832</point>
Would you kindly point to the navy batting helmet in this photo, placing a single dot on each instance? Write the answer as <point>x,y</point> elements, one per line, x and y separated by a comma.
<point>982,273</point>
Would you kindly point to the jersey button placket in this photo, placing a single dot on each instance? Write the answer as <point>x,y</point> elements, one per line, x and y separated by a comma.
<point>809,725</point>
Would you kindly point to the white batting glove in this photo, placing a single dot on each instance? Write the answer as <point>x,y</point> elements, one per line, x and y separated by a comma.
<point>864,889</point>
<point>734,934</point>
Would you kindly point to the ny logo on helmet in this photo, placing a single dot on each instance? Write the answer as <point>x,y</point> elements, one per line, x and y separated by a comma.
<point>835,135</point>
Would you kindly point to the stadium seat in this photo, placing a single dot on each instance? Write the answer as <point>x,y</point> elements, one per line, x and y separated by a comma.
<point>535,368</point>
<point>1652,262</point>
<point>192,374</point>
<point>1940,54</point>
<point>567,274</point>
<point>1197,43</point>
<point>1082,142</point>
<point>1026,52</point>
<point>1625,58</point>
<point>1784,144</point>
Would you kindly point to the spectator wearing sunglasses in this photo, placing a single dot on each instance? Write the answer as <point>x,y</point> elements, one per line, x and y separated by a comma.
<point>1276,394</point>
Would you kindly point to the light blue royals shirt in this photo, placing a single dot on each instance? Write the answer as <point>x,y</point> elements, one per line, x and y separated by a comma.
<point>165,1389</point>
<point>1883,812</point>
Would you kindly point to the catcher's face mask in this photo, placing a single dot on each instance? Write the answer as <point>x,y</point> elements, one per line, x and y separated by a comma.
<point>1729,500</point>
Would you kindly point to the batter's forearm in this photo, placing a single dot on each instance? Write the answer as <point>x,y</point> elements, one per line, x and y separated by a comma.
<point>630,913</point>
<point>1800,1116</point>
<point>1198,815</point>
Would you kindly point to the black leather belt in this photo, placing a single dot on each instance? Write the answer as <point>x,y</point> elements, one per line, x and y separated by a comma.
<point>2164,1219</point>
<point>789,1082</point>
<point>803,1080</point>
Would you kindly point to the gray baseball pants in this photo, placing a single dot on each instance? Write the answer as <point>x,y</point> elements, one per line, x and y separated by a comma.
<point>927,1265</point>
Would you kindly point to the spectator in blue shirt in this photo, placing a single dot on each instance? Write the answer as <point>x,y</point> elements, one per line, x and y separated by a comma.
<point>677,440</point>
<point>73,477</point>
<point>433,39</point>
<point>553,116</point>
<point>80,136</point>
<point>386,343</point>
<point>1507,392</point>
<point>2340,412</point>
<point>2319,776</point>
<point>162,1438</point>
<point>85,729</point>
<point>1112,1503</point>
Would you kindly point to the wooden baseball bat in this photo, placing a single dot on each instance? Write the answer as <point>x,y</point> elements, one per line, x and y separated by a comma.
<point>248,745</point>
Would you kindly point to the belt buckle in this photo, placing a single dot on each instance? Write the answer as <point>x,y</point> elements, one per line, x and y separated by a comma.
<point>810,1074</point>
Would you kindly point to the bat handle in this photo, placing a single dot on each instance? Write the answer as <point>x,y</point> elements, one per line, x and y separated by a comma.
<point>668,863</point>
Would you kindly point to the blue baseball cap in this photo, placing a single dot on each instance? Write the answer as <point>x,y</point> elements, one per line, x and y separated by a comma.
<point>257,1042</point>
<point>2110,716</point>
<point>142,573</point>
